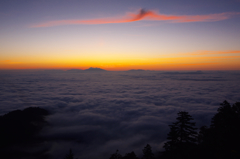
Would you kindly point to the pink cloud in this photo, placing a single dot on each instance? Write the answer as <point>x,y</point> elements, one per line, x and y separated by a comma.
<point>143,15</point>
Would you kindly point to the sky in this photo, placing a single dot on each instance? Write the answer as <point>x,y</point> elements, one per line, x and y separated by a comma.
<point>120,34</point>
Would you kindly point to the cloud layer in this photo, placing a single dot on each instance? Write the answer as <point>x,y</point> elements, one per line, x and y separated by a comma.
<point>143,15</point>
<point>97,113</point>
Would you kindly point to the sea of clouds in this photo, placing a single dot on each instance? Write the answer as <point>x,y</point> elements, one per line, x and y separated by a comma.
<point>96,113</point>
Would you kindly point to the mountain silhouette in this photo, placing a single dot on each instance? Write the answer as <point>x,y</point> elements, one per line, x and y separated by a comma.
<point>92,69</point>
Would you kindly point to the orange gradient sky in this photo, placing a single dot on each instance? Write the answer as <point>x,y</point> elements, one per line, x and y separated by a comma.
<point>196,61</point>
<point>120,35</point>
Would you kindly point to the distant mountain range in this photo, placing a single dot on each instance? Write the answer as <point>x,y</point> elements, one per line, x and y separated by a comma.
<point>96,69</point>
<point>91,69</point>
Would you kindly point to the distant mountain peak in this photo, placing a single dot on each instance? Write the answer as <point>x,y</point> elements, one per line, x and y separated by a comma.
<point>94,69</point>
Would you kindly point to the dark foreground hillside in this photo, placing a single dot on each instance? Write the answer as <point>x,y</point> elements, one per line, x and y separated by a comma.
<point>19,137</point>
<point>219,141</point>
<point>18,133</point>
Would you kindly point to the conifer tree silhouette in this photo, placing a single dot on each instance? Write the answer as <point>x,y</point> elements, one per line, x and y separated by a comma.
<point>182,137</point>
<point>222,137</point>
<point>116,155</point>
<point>130,155</point>
<point>147,152</point>
<point>69,155</point>
<point>182,131</point>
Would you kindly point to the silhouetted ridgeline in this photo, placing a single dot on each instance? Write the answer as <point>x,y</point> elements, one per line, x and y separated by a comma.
<point>219,141</point>
<point>18,131</point>
<point>91,69</point>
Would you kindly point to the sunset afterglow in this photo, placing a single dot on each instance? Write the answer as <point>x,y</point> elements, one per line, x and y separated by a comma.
<point>119,35</point>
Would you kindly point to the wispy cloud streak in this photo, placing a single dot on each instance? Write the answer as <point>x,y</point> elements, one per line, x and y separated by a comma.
<point>143,15</point>
<point>206,52</point>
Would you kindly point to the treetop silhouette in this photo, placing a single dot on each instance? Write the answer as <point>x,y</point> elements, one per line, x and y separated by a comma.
<point>222,137</point>
<point>116,155</point>
<point>181,131</point>
<point>147,152</point>
<point>182,137</point>
<point>130,155</point>
<point>69,155</point>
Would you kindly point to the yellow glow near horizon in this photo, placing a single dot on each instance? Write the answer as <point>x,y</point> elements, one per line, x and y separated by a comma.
<point>186,61</point>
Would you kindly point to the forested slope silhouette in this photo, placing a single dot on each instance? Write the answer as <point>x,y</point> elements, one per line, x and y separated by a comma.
<point>18,131</point>
<point>219,141</point>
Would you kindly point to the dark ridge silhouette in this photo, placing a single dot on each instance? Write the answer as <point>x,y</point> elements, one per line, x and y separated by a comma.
<point>116,155</point>
<point>130,155</point>
<point>147,152</point>
<point>184,72</point>
<point>92,69</point>
<point>219,141</point>
<point>138,70</point>
<point>18,130</point>
<point>70,155</point>
<point>53,70</point>
<point>74,70</point>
